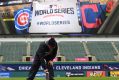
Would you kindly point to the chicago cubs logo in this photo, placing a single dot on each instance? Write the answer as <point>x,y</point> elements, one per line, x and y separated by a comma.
<point>22,19</point>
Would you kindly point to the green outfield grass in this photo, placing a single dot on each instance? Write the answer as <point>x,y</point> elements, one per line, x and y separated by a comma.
<point>68,78</point>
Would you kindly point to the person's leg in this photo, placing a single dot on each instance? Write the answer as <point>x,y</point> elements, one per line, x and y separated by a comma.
<point>34,69</point>
<point>51,71</point>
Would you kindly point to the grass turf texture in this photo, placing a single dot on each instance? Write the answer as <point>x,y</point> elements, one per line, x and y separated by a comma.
<point>68,78</point>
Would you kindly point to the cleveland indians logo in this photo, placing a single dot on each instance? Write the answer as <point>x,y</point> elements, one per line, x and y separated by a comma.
<point>22,19</point>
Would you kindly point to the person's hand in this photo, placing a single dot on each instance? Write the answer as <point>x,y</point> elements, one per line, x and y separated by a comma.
<point>50,62</point>
<point>46,70</point>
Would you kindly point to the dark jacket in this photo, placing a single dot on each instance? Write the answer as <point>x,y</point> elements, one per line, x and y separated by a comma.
<point>44,52</point>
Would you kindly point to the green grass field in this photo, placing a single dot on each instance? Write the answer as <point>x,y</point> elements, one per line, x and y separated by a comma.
<point>68,78</point>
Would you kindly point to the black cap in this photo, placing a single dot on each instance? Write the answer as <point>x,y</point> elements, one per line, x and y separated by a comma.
<point>52,42</point>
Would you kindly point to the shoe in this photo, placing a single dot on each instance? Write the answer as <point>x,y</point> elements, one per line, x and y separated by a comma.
<point>52,79</point>
<point>29,79</point>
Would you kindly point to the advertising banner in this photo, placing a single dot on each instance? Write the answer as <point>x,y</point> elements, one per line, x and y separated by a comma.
<point>4,74</point>
<point>96,74</point>
<point>57,67</point>
<point>65,69</point>
<point>81,59</point>
<point>41,74</point>
<point>67,66</point>
<point>114,73</point>
<point>55,17</point>
<point>75,74</point>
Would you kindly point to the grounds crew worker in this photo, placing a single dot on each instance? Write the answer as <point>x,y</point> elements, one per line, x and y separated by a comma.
<point>45,54</point>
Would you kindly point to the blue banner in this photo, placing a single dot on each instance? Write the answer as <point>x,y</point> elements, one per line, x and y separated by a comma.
<point>22,20</point>
<point>93,16</point>
<point>41,74</point>
<point>64,67</point>
<point>4,74</point>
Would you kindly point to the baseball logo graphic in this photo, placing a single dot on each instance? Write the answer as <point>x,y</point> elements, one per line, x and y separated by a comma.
<point>22,19</point>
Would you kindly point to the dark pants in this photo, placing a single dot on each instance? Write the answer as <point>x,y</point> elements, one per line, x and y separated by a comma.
<point>35,67</point>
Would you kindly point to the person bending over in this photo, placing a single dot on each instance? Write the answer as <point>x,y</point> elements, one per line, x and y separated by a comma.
<point>44,56</point>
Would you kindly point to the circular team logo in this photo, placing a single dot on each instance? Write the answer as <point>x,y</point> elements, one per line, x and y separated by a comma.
<point>22,19</point>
